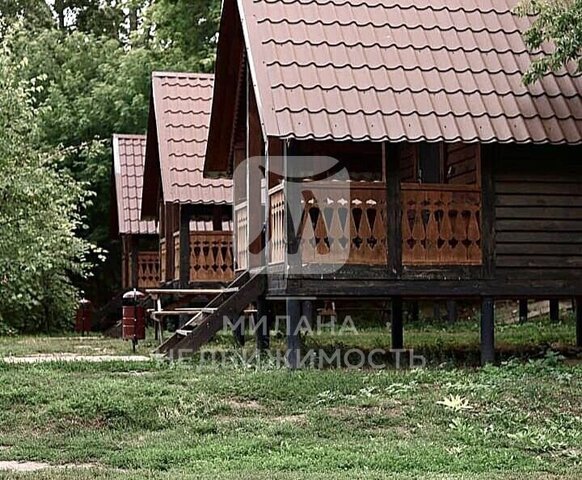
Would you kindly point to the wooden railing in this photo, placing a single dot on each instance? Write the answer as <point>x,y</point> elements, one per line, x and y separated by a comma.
<point>211,257</point>
<point>344,223</point>
<point>148,270</point>
<point>337,229</point>
<point>176,237</point>
<point>241,225</point>
<point>277,225</point>
<point>441,224</point>
<point>163,255</point>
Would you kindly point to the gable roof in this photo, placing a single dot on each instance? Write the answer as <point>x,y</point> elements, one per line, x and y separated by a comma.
<point>176,143</point>
<point>395,70</point>
<point>128,160</point>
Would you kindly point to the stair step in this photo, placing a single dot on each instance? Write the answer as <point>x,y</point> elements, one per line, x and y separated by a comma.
<point>208,310</point>
<point>183,332</point>
<point>190,291</point>
<point>208,320</point>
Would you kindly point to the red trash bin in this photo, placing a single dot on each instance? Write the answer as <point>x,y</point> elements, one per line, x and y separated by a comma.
<point>133,324</point>
<point>83,318</point>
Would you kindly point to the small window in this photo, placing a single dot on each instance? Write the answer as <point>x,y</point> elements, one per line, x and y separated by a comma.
<point>430,163</point>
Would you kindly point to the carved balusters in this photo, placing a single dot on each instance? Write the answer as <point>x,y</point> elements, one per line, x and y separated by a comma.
<point>277,241</point>
<point>441,226</point>
<point>241,225</point>
<point>338,230</point>
<point>163,254</point>
<point>211,257</point>
<point>474,235</point>
<point>148,270</point>
<point>177,256</point>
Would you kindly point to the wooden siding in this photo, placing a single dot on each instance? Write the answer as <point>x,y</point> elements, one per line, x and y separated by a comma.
<point>538,210</point>
<point>407,154</point>
<point>461,163</point>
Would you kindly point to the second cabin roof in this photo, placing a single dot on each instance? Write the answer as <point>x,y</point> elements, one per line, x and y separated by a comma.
<point>128,160</point>
<point>180,107</point>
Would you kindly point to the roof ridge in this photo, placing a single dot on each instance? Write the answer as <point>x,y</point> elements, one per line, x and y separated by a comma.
<point>161,74</point>
<point>139,136</point>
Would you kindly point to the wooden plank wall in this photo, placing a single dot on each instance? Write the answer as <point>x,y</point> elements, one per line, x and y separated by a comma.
<point>407,153</point>
<point>461,163</point>
<point>538,209</point>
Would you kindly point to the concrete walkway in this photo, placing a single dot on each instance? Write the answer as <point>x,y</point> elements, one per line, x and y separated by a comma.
<point>72,357</point>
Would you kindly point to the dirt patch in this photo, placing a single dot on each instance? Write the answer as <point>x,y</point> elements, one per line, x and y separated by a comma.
<point>299,419</point>
<point>13,466</point>
<point>242,404</point>
<point>72,357</point>
<point>22,466</point>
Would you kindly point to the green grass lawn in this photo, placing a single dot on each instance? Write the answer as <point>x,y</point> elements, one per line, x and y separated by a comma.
<point>136,420</point>
<point>458,343</point>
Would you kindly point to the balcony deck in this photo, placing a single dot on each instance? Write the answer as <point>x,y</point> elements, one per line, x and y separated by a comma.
<point>347,224</point>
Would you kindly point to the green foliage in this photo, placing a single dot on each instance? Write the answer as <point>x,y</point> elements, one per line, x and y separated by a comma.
<point>93,61</point>
<point>186,29</point>
<point>559,24</point>
<point>36,14</point>
<point>39,214</point>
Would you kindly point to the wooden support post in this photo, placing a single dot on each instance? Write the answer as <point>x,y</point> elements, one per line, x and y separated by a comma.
<point>184,247</point>
<point>293,338</point>
<point>134,262</point>
<point>262,326</point>
<point>394,209</point>
<point>397,324</point>
<point>184,259</point>
<point>167,234</point>
<point>255,150</point>
<point>436,308</point>
<point>414,311</point>
<point>217,218</point>
<point>452,311</point>
<point>554,310</point>
<point>307,311</point>
<point>488,154</point>
<point>579,322</point>
<point>523,311</point>
<point>238,330</point>
<point>487,330</point>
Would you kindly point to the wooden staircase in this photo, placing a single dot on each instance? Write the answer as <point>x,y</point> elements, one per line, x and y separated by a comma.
<point>186,341</point>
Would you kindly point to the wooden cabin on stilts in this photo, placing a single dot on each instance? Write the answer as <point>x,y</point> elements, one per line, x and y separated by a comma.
<point>391,151</point>
<point>194,214</point>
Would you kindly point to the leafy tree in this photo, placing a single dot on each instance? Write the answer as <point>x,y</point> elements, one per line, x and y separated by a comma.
<point>92,60</point>
<point>186,30</point>
<point>36,14</point>
<point>39,215</point>
<point>559,23</point>
<point>110,18</point>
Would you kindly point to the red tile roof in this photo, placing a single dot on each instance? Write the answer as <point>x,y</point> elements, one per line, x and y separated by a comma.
<point>177,134</point>
<point>128,160</point>
<point>402,70</point>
